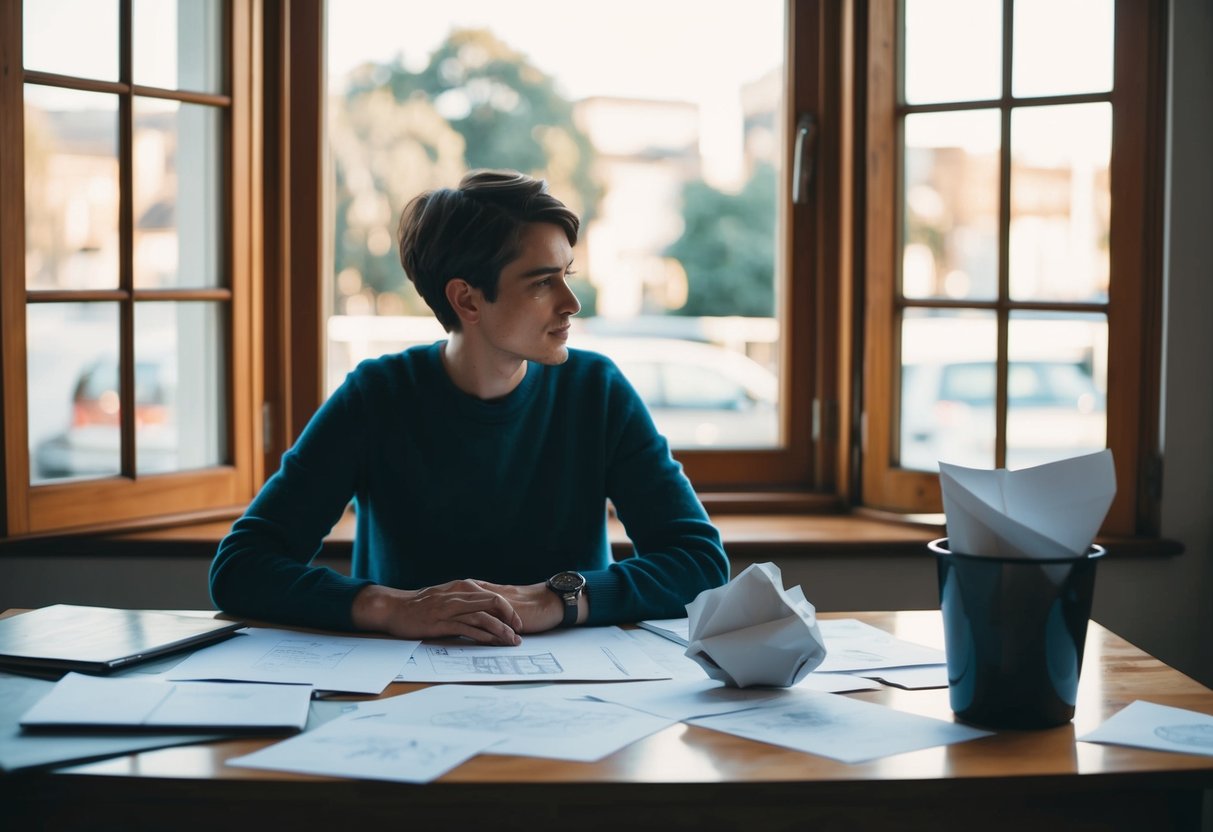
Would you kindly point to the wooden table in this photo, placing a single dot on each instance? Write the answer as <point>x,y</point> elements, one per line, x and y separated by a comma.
<point>689,778</point>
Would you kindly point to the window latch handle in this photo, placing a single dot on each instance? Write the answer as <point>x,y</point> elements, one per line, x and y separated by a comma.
<point>802,159</point>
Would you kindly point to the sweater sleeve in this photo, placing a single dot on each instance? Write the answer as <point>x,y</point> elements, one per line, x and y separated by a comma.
<point>677,552</point>
<point>262,568</point>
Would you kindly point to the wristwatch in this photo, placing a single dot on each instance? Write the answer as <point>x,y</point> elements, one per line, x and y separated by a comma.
<point>569,586</point>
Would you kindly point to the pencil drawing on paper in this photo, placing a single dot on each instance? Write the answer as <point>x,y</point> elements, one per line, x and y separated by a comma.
<point>519,716</point>
<point>386,749</point>
<point>1199,736</point>
<point>447,663</point>
<point>289,654</point>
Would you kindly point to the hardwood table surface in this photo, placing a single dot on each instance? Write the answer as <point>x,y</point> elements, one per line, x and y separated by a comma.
<point>686,776</point>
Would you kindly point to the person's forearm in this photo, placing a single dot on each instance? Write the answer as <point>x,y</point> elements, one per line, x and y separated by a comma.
<point>372,608</point>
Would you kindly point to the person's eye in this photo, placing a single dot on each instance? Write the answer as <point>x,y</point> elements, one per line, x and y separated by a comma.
<point>570,272</point>
<point>543,284</point>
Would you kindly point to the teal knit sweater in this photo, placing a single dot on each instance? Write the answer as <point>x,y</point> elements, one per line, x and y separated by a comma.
<point>448,486</point>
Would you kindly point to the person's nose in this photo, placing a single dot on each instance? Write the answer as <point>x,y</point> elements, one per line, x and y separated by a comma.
<point>569,304</point>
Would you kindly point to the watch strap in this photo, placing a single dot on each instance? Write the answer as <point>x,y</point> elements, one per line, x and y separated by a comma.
<point>570,608</point>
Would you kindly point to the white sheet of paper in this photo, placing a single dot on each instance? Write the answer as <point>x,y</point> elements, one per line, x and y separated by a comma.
<point>853,647</point>
<point>534,722</point>
<point>679,699</point>
<point>78,699</point>
<point>1051,510</point>
<point>670,655</point>
<point>677,630</point>
<point>342,663</point>
<point>843,729</point>
<point>584,654</point>
<point>923,677</point>
<point>371,750</point>
<point>1147,725</point>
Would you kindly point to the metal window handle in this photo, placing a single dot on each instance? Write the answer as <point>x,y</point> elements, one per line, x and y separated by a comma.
<point>802,159</point>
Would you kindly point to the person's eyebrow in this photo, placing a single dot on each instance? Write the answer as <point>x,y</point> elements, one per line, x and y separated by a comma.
<point>542,270</point>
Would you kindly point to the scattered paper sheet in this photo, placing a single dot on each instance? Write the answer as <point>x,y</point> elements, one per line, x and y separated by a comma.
<point>22,750</point>
<point>81,700</point>
<point>341,663</point>
<point>671,656</point>
<point>1049,511</point>
<point>1144,724</point>
<point>531,722</point>
<point>854,647</point>
<point>922,677</point>
<point>752,631</point>
<point>843,729</point>
<point>851,646</point>
<point>584,654</point>
<point>682,700</point>
<point>675,629</point>
<point>372,750</point>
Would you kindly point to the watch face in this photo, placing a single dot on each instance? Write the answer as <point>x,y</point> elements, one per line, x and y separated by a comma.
<point>566,582</point>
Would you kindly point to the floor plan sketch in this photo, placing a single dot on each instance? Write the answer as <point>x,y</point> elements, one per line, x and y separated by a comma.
<point>292,653</point>
<point>447,662</point>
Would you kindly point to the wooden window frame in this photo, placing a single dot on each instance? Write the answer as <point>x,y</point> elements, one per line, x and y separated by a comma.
<point>1135,287</point>
<point>810,471</point>
<point>122,501</point>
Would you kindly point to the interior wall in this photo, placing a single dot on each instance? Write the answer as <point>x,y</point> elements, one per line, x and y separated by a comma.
<point>1167,608</point>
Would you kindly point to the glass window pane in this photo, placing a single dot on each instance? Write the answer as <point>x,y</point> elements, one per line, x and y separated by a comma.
<point>181,381</point>
<point>73,390</point>
<point>71,189</point>
<point>672,166</point>
<point>1060,202</point>
<point>177,179</point>
<point>71,37</point>
<point>178,45</point>
<point>953,50</point>
<point>1062,48</point>
<point>950,213</point>
<point>1057,384</point>
<point>948,389</point>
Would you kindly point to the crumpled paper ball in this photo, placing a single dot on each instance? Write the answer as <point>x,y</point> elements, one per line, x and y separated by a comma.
<point>752,631</point>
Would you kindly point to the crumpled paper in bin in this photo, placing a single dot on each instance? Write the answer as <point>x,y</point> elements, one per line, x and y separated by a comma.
<point>752,631</point>
<point>1048,511</point>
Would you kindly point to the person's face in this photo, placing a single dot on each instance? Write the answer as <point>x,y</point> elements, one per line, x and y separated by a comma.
<point>530,318</point>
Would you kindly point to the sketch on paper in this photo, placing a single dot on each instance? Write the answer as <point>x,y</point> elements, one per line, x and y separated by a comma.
<point>297,653</point>
<point>386,749</point>
<point>520,716</point>
<point>444,662</point>
<point>1198,736</point>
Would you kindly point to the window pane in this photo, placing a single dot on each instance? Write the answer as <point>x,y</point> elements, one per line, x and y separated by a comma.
<point>71,37</point>
<point>1057,385</point>
<point>948,389</point>
<point>73,390</point>
<point>1062,48</point>
<point>953,50</point>
<point>181,384</point>
<point>71,189</point>
<point>950,235</point>
<point>178,45</point>
<point>1060,202</point>
<point>672,165</point>
<point>177,194</point>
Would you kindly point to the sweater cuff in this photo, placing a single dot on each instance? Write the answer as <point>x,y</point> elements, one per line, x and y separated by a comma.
<point>608,597</point>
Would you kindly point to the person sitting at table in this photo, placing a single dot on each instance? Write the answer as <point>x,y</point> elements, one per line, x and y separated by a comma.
<point>479,465</point>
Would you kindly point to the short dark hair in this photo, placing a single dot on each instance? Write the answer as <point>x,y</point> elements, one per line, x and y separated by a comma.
<point>472,232</point>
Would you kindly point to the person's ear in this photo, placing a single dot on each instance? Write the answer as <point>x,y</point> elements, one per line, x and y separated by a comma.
<point>464,299</point>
